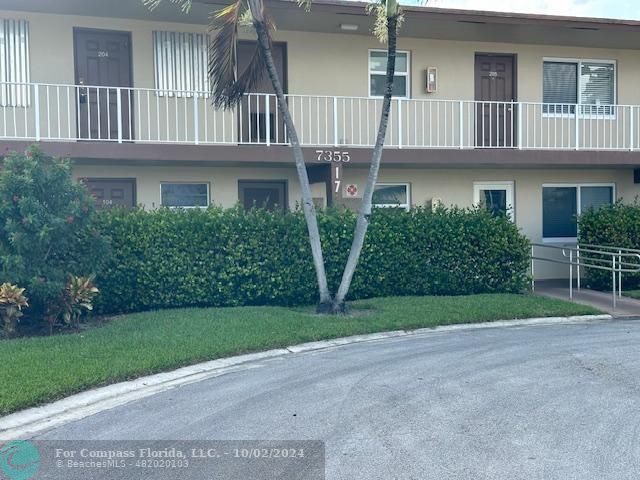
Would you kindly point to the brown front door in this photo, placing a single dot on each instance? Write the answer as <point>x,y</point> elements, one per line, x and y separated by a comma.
<point>495,115</point>
<point>112,192</point>
<point>103,62</point>
<point>255,111</point>
<point>269,194</point>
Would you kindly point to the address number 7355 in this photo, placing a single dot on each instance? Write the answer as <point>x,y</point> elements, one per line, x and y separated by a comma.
<point>333,156</point>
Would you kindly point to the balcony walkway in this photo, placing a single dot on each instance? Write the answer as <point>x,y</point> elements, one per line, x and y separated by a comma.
<point>70,113</point>
<point>626,307</point>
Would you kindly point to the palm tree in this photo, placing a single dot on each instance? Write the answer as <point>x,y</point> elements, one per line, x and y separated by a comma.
<point>230,86</point>
<point>387,23</point>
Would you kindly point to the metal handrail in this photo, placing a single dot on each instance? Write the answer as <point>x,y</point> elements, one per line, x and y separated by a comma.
<point>617,260</point>
<point>52,112</point>
<point>621,252</point>
<point>609,247</point>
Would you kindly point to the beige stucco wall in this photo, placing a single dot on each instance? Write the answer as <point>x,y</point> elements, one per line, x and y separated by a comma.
<point>223,181</point>
<point>453,186</point>
<point>329,64</point>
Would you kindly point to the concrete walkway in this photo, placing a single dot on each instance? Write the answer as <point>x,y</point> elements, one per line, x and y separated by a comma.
<point>626,307</point>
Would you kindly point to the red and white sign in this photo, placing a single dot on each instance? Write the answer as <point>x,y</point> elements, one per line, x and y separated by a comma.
<point>351,190</point>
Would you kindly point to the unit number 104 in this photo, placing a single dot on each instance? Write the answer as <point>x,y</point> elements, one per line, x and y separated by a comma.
<point>333,156</point>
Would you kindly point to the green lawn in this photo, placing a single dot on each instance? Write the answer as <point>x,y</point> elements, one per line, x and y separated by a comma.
<point>40,369</point>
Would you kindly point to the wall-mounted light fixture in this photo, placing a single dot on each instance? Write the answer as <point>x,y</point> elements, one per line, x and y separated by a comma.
<point>431,81</point>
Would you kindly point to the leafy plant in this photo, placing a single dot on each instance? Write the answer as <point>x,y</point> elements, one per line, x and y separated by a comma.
<point>12,301</point>
<point>611,225</point>
<point>78,298</point>
<point>229,257</point>
<point>46,229</point>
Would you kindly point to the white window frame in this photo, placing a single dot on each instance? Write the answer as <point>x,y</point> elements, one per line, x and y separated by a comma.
<point>406,206</point>
<point>506,185</point>
<point>406,74</point>
<point>579,62</point>
<point>168,182</point>
<point>578,187</point>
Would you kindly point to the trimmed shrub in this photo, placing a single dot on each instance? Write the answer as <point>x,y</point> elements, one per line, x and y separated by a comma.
<point>45,228</point>
<point>612,225</point>
<point>217,257</point>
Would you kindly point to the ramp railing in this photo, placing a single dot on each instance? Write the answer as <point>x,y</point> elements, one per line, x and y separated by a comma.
<point>617,260</point>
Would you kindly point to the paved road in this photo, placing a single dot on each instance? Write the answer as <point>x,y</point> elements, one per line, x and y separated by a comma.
<point>544,402</point>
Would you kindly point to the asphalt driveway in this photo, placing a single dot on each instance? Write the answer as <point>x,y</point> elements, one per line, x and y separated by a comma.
<point>537,402</point>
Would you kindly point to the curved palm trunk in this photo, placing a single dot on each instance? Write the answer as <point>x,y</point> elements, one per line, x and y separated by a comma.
<point>308,207</point>
<point>362,222</point>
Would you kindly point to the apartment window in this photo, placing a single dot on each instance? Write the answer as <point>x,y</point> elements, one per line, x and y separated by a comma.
<point>185,195</point>
<point>180,63</point>
<point>497,197</point>
<point>562,204</point>
<point>14,63</point>
<point>378,73</point>
<point>391,195</point>
<point>589,83</point>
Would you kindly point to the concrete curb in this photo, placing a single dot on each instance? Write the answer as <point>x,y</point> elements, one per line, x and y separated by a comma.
<point>27,423</point>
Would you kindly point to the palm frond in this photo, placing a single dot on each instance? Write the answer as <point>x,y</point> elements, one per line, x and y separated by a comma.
<point>383,10</point>
<point>222,51</point>
<point>185,5</point>
<point>246,19</point>
<point>306,4</point>
<point>228,86</point>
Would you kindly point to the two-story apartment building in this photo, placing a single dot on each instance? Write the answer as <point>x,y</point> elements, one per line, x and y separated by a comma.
<point>537,115</point>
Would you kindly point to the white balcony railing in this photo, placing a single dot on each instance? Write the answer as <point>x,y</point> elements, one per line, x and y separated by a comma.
<point>51,112</point>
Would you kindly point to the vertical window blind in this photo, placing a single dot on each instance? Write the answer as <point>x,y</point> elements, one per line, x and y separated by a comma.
<point>14,63</point>
<point>181,63</point>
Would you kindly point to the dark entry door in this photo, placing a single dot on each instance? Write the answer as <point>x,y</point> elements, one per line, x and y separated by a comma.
<point>112,192</point>
<point>271,195</point>
<point>103,61</point>
<point>494,90</point>
<point>253,109</point>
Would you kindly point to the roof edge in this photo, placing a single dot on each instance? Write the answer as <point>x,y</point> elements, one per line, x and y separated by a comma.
<point>497,17</point>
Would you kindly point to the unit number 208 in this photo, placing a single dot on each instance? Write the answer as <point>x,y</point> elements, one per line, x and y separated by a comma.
<point>333,156</point>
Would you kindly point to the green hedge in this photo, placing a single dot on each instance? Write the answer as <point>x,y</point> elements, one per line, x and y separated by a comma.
<point>616,225</point>
<point>171,258</point>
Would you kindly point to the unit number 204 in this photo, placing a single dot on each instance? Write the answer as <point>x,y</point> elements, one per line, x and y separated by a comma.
<point>333,156</point>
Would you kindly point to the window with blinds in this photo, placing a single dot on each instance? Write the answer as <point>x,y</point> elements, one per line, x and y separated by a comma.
<point>589,84</point>
<point>14,63</point>
<point>597,87</point>
<point>560,87</point>
<point>181,63</point>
